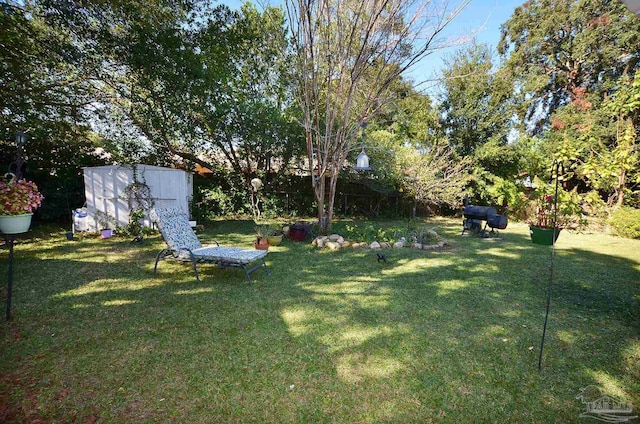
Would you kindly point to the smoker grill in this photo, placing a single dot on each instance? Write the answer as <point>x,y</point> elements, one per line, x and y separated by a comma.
<point>474,215</point>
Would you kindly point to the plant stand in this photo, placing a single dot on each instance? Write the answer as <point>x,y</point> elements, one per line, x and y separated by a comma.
<point>10,239</point>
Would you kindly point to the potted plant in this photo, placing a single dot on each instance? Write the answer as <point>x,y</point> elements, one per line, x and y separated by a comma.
<point>19,199</point>
<point>262,231</point>
<point>275,236</point>
<point>548,215</point>
<point>299,231</point>
<point>105,222</point>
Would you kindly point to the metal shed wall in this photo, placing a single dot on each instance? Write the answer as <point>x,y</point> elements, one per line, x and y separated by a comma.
<point>104,188</point>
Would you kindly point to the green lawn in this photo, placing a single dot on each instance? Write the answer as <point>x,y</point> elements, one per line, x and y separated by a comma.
<point>334,337</point>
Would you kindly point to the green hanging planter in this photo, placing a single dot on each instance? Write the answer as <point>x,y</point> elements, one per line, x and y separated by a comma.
<point>544,236</point>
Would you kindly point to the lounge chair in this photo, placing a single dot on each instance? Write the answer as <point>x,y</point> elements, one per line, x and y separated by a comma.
<point>183,245</point>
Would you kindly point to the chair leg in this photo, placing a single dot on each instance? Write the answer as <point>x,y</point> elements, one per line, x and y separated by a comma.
<point>264,264</point>
<point>160,254</point>
<point>195,267</point>
<point>248,274</point>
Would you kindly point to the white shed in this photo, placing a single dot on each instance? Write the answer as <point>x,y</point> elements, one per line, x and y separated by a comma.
<point>104,188</point>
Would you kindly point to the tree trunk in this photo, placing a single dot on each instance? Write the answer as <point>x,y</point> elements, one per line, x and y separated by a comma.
<point>319,191</point>
<point>622,180</point>
<point>333,183</point>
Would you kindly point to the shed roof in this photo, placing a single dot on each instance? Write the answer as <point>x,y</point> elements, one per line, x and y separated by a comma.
<point>139,166</point>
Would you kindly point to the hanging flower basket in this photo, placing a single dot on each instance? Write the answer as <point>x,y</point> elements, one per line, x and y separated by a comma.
<point>18,200</point>
<point>544,236</point>
<point>15,224</point>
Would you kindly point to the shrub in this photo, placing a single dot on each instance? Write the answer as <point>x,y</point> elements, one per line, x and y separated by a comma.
<point>625,222</point>
<point>209,202</point>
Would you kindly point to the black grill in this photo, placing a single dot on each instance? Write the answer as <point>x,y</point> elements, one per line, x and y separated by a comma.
<point>474,215</point>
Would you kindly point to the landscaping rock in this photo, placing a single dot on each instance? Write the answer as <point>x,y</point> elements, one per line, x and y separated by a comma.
<point>398,244</point>
<point>332,245</point>
<point>320,242</point>
<point>340,240</point>
<point>334,237</point>
<point>375,245</point>
<point>360,245</point>
<point>346,244</point>
<point>385,245</point>
<point>417,245</point>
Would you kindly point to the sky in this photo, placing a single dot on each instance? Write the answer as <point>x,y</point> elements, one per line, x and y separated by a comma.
<point>481,18</point>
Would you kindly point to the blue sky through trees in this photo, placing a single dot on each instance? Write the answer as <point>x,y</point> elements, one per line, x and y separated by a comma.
<point>480,20</point>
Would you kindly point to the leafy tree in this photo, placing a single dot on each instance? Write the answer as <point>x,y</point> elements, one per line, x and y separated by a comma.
<point>45,90</point>
<point>348,54</point>
<point>436,175</point>
<point>598,139</point>
<point>213,93</point>
<point>559,50</point>
<point>411,152</point>
<point>477,113</point>
<point>476,100</point>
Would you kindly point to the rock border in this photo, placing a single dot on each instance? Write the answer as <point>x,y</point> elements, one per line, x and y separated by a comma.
<point>337,242</point>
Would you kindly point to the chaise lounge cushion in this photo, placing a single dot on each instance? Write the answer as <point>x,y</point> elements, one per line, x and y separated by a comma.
<point>229,255</point>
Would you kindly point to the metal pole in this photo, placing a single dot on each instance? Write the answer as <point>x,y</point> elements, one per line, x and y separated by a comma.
<point>21,139</point>
<point>557,166</point>
<point>9,238</point>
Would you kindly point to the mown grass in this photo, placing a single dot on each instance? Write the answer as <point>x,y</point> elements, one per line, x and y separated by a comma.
<point>448,336</point>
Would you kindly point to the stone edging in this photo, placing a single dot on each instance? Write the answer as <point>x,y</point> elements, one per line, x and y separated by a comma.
<point>336,242</point>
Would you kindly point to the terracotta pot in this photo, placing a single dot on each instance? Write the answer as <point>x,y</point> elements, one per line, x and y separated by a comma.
<point>261,244</point>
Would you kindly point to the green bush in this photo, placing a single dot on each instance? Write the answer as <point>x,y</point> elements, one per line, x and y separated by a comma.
<point>625,222</point>
<point>210,202</point>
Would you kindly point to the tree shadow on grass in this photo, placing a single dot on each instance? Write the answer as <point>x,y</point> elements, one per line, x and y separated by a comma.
<point>330,336</point>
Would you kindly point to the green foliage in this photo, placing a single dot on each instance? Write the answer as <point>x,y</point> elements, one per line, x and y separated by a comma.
<point>135,228</point>
<point>44,88</point>
<point>368,231</point>
<point>556,51</point>
<point>510,194</point>
<point>543,211</point>
<point>597,139</point>
<point>213,201</point>
<point>476,105</point>
<point>213,93</point>
<point>267,230</point>
<point>595,205</point>
<point>625,222</point>
<point>435,175</point>
<point>476,115</point>
<point>423,236</point>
